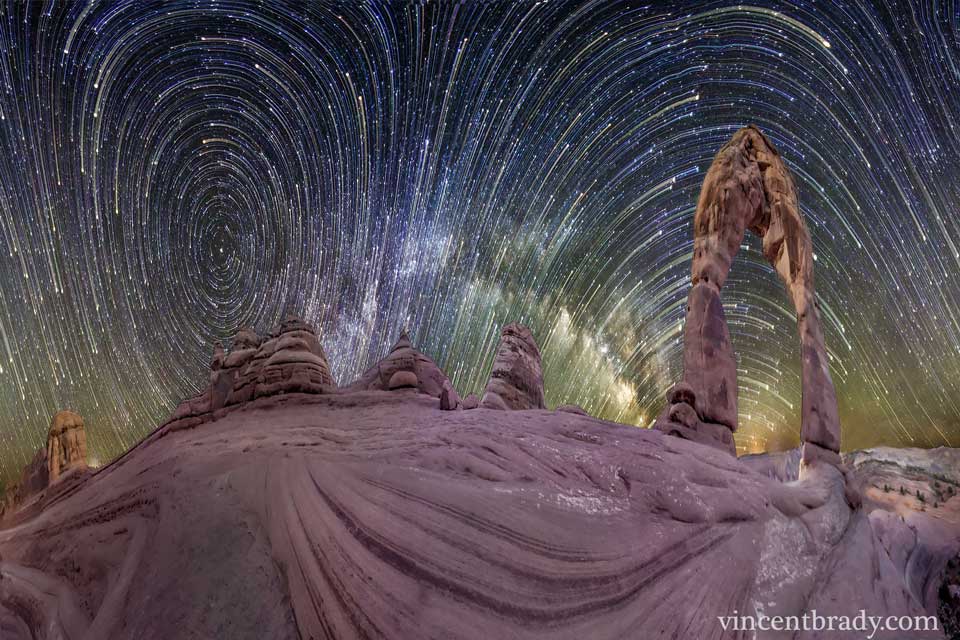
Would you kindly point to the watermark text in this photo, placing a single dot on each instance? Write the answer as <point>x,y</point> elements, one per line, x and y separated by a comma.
<point>868,625</point>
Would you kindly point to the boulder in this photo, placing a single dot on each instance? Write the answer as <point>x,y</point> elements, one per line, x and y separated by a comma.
<point>245,339</point>
<point>193,407</point>
<point>471,401</point>
<point>516,381</point>
<point>403,379</point>
<point>245,345</point>
<point>680,419</point>
<point>449,398</point>
<point>572,408</point>
<point>682,392</point>
<point>684,414</point>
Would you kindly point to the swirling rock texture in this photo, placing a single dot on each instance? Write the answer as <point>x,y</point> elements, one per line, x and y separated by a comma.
<point>377,514</point>
<point>911,497</point>
<point>748,187</point>
<point>516,380</point>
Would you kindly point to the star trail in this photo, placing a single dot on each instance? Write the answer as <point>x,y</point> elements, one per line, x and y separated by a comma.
<point>172,171</point>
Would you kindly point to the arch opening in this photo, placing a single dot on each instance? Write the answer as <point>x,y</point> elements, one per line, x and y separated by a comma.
<point>748,188</point>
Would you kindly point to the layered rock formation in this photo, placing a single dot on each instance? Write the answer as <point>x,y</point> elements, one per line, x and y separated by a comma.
<point>748,187</point>
<point>912,498</point>
<point>681,419</point>
<point>289,360</point>
<point>516,381</point>
<point>293,361</point>
<point>403,368</point>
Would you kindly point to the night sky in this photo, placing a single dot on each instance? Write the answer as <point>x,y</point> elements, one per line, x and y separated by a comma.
<point>172,171</point>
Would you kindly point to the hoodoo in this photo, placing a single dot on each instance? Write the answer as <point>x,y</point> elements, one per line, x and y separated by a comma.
<point>516,381</point>
<point>748,187</point>
<point>66,444</point>
<point>289,360</point>
<point>295,361</point>
<point>404,367</point>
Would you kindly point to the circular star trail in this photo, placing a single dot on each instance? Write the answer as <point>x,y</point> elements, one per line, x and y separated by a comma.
<point>172,171</point>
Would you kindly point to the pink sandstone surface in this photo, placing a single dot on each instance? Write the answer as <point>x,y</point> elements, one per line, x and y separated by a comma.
<point>378,514</point>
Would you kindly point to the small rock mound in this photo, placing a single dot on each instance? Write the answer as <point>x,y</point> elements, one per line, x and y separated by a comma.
<point>516,381</point>
<point>471,401</point>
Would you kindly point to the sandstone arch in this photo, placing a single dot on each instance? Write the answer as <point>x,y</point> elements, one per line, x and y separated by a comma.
<point>749,187</point>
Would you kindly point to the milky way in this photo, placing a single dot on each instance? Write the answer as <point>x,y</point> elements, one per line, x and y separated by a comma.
<point>170,172</point>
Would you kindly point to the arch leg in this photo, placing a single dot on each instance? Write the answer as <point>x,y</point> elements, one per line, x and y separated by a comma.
<point>788,247</point>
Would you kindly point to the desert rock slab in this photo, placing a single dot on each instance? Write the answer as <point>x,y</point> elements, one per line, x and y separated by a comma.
<point>377,514</point>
